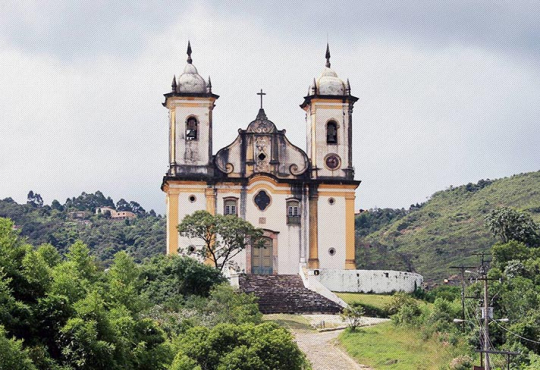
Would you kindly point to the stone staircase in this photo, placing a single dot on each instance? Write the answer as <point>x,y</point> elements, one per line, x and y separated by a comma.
<point>286,294</point>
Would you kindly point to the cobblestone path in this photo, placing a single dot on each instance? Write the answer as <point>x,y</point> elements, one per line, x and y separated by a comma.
<point>322,350</point>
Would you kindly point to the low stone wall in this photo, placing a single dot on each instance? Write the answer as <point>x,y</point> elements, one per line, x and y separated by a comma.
<point>367,281</point>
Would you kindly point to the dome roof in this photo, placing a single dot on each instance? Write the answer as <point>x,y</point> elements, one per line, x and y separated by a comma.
<point>190,81</point>
<point>329,83</point>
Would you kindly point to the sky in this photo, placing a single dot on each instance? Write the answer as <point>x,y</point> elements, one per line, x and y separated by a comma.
<point>449,92</point>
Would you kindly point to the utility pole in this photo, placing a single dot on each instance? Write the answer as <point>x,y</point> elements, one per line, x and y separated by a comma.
<point>485,348</point>
<point>462,274</point>
<point>486,320</point>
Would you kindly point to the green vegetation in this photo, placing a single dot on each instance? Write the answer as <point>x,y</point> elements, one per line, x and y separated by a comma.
<point>62,224</point>
<point>425,336</point>
<point>386,347</point>
<point>222,236</point>
<point>293,322</point>
<point>172,312</point>
<point>375,300</point>
<point>447,229</point>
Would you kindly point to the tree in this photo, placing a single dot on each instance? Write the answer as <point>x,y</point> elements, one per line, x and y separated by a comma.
<point>508,224</point>
<point>137,208</point>
<point>34,199</point>
<point>123,205</point>
<point>57,206</point>
<point>223,237</point>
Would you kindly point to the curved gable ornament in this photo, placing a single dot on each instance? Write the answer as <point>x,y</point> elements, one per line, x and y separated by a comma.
<point>261,124</point>
<point>262,148</point>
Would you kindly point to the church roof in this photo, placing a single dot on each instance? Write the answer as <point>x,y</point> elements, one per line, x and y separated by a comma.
<point>262,149</point>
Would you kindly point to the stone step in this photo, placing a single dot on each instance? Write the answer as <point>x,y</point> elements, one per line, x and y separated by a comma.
<point>286,294</point>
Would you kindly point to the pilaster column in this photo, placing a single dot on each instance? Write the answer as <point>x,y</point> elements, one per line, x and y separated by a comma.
<point>349,231</point>
<point>313,261</point>
<point>210,195</point>
<point>172,221</point>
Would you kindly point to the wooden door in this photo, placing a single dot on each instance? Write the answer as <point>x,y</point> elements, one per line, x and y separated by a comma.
<point>262,257</point>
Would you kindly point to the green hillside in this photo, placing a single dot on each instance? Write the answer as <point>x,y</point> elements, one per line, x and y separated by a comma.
<point>62,224</point>
<point>447,229</point>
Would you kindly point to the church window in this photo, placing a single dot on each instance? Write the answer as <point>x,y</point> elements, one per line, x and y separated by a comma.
<point>262,200</point>
<point>293,212</point>
<point>331,132</point>
<point>230,207</point>
<point>192,198</point>
<point>331,201</point>
<point>192,129</point>
<point>332,251</point>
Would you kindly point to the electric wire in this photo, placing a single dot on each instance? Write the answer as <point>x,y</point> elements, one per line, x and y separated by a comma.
<point>516,334</point>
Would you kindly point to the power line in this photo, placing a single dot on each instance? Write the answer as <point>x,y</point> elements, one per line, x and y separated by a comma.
<point>516,334</point>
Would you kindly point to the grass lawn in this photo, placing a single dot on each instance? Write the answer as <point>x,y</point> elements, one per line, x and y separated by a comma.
<point>292,322</point>
<point>376,300</point>
<point>385,346</point>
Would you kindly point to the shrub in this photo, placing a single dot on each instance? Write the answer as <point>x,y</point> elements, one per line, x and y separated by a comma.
<point>352,315</point>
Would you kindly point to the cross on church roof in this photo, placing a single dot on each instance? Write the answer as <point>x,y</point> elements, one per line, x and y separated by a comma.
<point>261,94</point>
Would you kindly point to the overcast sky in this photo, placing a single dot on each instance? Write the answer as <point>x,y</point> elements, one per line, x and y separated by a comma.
<point>449,92</point>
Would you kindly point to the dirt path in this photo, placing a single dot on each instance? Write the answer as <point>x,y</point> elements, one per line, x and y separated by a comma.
<point>322,350</point>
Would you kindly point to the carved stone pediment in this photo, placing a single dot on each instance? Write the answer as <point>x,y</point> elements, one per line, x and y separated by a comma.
<point>262,148</point>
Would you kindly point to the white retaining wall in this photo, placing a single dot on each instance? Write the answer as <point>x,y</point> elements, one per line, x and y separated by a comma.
<point>367,281</point>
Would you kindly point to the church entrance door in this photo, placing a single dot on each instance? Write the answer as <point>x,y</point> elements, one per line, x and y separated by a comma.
<point>261,258</point>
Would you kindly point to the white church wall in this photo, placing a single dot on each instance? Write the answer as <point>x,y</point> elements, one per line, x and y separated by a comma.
<point>368,281</point>
<point>198,149</point>
<point>186,206</point>
<point>332,232</point>
<point>339,114</point>
<point>273,218</point>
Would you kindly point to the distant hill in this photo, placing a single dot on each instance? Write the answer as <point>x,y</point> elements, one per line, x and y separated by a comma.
<point>62,224</point>
<point>444,231</point>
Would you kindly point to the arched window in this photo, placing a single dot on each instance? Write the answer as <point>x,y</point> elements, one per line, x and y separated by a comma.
<point>192,129</point>
<point>293,212</point>
<point>331,132</point>
<point>230,206</point>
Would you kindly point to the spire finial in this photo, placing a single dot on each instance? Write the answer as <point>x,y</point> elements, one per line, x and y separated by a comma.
<point>173,83</point>
<point>327,55</point>
<point>189,60</point>
<point>209,85</point>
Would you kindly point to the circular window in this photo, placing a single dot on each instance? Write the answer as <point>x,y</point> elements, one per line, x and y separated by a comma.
<point>191,249</point>
<point>332,161</point>
<point>192,198</point>
<point>332,251</point>
<point>331,201</point>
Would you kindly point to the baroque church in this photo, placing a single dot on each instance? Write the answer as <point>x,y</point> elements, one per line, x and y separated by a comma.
<point>303,198</point>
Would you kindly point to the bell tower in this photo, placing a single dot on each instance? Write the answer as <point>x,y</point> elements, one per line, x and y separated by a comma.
<point>329,107</point>
<point>190,104</point>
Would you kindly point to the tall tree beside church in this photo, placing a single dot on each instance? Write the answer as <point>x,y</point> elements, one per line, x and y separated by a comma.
<point>218,238</point>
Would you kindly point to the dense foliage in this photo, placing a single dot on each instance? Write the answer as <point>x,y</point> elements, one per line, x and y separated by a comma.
<point>62,224</point>
<point>446,230</point>
<point>514,292</point>
<point>68,313</point>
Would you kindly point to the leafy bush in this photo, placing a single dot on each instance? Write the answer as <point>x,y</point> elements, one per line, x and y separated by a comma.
<point>352,315</point>
<point>264,347</point>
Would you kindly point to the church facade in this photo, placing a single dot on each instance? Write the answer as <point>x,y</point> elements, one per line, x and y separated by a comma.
<point>303,199</point>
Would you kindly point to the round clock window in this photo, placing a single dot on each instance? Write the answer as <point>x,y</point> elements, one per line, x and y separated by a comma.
<point>332,161</point>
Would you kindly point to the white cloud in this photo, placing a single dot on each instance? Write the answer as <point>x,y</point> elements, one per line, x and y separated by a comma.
<point>427,116</point>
